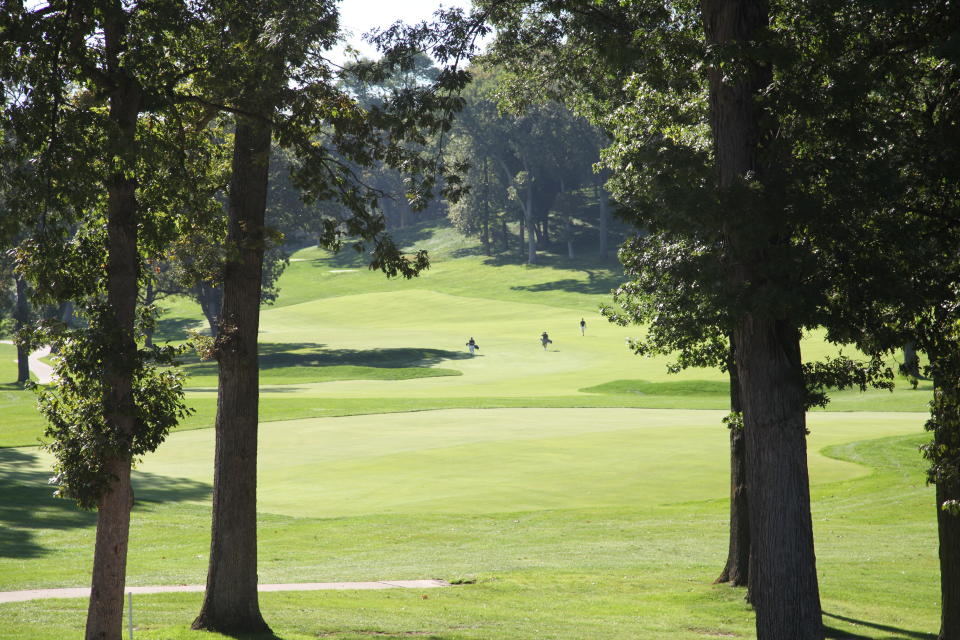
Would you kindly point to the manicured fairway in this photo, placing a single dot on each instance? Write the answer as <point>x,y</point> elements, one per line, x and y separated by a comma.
<point>578,492</point>
<point>619,513</point>
<point>498,460</point>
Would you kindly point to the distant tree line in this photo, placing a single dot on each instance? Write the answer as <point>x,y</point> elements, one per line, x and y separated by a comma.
<point>532,166</point>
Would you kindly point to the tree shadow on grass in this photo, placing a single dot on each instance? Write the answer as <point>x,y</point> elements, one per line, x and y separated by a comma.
<point>153,488</point>
<point>172,328</point>
<point>596,283</point>
<point>307,354</point>
<point>897,633</point>
<point>27,504</point>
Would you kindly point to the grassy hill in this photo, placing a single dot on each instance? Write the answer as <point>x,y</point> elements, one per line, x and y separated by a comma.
<point>573,492</point>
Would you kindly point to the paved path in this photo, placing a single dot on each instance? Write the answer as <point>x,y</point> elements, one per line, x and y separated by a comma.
<point>84,592</point>
<point>42,370</point>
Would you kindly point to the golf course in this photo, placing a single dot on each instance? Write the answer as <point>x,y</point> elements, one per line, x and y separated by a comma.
<point>572,491</point>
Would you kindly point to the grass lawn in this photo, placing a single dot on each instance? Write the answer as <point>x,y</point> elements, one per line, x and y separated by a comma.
<point>577,492</point>
<point>567,523</point>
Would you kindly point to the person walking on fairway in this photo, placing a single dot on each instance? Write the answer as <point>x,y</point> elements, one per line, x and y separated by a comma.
<point>472,345</point>
<point>583,327</point>
<point>545,340</point>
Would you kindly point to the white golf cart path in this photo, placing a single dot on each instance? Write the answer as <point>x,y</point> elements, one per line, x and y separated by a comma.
<point>42,370</point>
<point>84,592</point>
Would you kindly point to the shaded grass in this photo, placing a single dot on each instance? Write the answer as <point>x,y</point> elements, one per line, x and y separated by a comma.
<point>678,388</point>
<point>292,363</point>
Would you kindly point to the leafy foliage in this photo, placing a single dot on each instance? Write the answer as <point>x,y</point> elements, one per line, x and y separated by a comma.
<point>82,440</point>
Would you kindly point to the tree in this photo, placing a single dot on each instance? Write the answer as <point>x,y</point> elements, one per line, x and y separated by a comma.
<point>900,142</point>
<point>522,160</point>
<point>767,340</point>
<point>742,248</point>
<point>253,82</point>
<point>93,112</point>
<point>281,88</point>
<point>740,231</point>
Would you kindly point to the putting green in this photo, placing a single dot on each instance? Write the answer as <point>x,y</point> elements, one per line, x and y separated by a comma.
<point>499,460</point>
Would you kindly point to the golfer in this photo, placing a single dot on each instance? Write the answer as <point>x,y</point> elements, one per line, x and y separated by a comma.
<point>583,327</point>
<point>545,340</point>
<point>472,345</point>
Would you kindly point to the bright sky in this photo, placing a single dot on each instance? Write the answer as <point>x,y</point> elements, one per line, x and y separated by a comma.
<point>360,16</point>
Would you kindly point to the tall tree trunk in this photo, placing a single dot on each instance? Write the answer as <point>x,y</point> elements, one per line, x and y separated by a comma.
<point>149,297</point>
<point>945,455</point>
<point>911,361</point>
<point>736,571</point>
<point>531,228</point>
<point>66,313</point>
<point>22,316</point>
<point>948,530</point>
<point>604,220</point>
<point>783,577</point>
<point>523,241</point>
<point>485,224</point>
<point>231,604</point>
<point>783,570</point>
<point>210,297</point>
<point>506,234</point>
<point>105,612</point>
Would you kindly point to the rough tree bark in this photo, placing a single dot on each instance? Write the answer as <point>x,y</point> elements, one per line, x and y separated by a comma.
<point>911,361</point>
<point>21,317</point>
<point>105,612</point>
<point>231,604</point>
<point>783,573</point>
<point>945,456</point>
<point>948,529</point>
<point>736,571</point>
<point>783,577</point>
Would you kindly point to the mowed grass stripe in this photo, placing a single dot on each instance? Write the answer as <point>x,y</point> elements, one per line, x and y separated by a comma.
<point>489,461</point>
